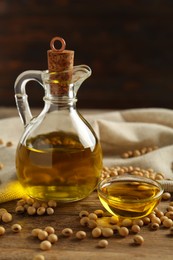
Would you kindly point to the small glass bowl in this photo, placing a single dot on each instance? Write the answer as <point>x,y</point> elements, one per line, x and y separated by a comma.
<point>129,196</point>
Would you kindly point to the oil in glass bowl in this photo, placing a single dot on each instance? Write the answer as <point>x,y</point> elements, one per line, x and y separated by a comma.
<point>129,196</point>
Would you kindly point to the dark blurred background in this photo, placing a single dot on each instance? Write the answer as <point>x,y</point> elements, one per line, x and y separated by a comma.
<point>127,43</point>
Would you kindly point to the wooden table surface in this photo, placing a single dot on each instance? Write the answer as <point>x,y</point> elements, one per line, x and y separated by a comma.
<point>157,244</point>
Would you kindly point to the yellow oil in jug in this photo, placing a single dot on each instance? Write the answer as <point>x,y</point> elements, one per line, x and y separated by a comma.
<point>57,166</point>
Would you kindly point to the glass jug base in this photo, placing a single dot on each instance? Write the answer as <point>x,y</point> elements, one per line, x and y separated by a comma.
<point>60,194</point>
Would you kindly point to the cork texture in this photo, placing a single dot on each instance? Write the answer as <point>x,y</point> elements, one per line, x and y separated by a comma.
<point>60,61</point>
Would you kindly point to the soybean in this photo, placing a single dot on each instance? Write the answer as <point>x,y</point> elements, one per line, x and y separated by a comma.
<point>81,234</point>
<point>2,230</point>
<point>52,238</point>
<point>123,231</point>
<point>45,245</point>
<point>96,232</point>
<point>107,232</point>
<point>16,228</point>
<point>39,257</point>
<point>138,240</point>
<point>103,243</point>
<point>67,232</point>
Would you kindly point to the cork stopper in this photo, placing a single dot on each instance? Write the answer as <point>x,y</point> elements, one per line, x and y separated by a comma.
<point>60,66</point>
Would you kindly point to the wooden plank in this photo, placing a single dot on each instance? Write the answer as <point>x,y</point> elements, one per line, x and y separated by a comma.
<point>157,244</point>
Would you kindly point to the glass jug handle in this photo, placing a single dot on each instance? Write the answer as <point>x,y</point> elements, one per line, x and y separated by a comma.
<point>21,97</point>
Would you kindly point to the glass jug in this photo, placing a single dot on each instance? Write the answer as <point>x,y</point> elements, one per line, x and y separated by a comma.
<point>58,156</point>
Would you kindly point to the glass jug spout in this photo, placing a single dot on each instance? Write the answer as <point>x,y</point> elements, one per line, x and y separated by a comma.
<point>57,85</point>
<point>80,74</point>
<point>65,83</point>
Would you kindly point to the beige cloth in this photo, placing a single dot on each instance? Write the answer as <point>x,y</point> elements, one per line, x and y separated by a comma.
<point>134,129</point>
<point>118,132</point>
